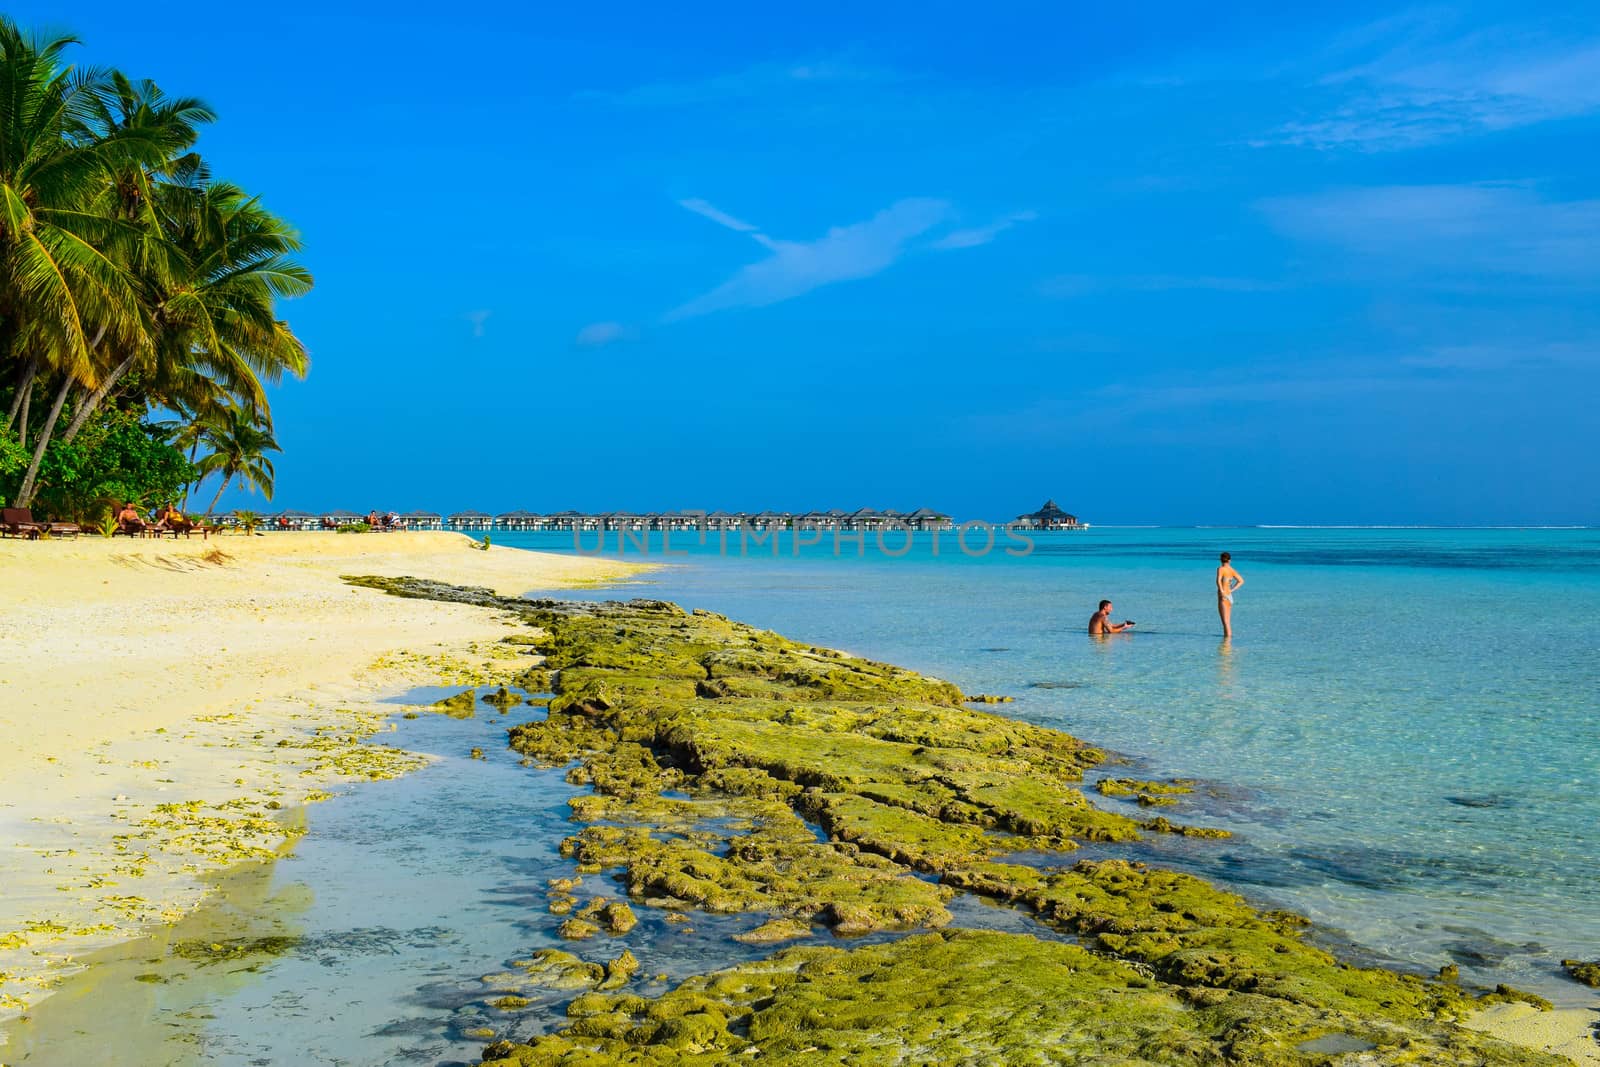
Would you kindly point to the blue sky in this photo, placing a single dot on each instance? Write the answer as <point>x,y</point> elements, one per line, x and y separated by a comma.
<point>1164,263</point>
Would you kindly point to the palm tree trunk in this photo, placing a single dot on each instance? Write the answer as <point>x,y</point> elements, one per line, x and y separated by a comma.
<point>226,478</point>
<point>188,489</point>
<point>24,388</point>
<point>22,417</point>
<point>94,399</point>
<point>25,494</point>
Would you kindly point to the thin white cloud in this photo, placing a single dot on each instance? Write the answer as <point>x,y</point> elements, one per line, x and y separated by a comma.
<point>1414,80</point>
<point>600,334</point>
<point>721,218</point>
<point>478,320</point>
<point>1449,230</point>
<point>844,253</point>
<point>982,235</point>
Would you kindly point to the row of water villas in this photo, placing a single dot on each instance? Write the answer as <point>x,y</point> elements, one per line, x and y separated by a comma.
<point>1048,517</point>
<point>672,521</point>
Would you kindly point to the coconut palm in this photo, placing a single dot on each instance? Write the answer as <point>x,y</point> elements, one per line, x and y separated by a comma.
<point>124,268</point>
<point>239,441</point>
<point>227,261</point>
<point>62,289</point>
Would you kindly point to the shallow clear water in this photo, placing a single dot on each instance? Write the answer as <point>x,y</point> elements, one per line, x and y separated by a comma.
<point>1404,731</point>
<point>1403,735</point>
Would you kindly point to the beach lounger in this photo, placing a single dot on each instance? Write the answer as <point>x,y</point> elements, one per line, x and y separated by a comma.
<point>19,522</point>
<point>185,527</point>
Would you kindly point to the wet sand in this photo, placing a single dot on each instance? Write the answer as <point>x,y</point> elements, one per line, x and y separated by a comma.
<point>165,704</point>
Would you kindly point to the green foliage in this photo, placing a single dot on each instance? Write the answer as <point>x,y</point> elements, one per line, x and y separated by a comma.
<point>13,461</point>
<point>107,526</point>
<point>116,457</point>
<point>248,521</point>
<point>353,527</point>
<point>239,438</point>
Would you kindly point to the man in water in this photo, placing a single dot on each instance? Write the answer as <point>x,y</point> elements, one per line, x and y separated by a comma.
<point>1228,582</point>
<point>1100,622</point>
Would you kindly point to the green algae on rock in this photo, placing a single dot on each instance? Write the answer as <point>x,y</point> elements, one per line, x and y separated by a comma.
<point>713,748</point>
<point>1586,972</point>
<point>966,996</point>
<point>463,705</point>
<point>502,698</point>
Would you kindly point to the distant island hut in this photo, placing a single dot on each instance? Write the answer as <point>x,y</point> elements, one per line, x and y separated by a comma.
<point>1049,517</point>
<point>867,519</point>
<point>470,520</point>
<point>718,520</point>
<point>423,520</point>
<point>340,517</point>
<point>520,519</point>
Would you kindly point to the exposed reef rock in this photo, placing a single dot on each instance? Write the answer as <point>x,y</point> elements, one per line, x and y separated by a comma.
<point>975,997</point>
<point>503,698</point>
<point>1587,973</point>
<point>463,705</point>
<point>735,770</point>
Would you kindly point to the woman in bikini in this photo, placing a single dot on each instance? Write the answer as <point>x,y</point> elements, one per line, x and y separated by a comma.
<point>1228,582</point>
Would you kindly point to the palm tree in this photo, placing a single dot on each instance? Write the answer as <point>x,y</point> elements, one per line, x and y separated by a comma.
<point>124,268</point>
<point>239,440</point>
<point>62,289</point>
<point>213,295</point>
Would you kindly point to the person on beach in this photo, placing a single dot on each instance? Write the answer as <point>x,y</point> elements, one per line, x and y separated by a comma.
<point>1100,622</point>
<point>1228,583</point>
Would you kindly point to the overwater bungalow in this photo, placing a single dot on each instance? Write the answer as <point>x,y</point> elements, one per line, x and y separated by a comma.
<point>470,520</point>
<point>866,519</point>
<point>927,519</point>
<point>677,520</point>
<point>332,520</point>
<point>519,520</point>
<point>623,520</point>
<point>422,520</point>
<point>1049,517</point>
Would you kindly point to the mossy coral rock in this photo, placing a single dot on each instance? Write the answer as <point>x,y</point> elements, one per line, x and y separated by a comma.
<point>1587,973</point>
<point>968,997</point>
<point>461,706</point>
<point>502,698</point>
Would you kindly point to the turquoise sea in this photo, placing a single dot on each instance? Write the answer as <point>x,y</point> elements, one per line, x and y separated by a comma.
<point>1403,735</point>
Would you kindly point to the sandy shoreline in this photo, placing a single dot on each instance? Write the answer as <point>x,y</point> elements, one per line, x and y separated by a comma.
<point>162,703</point>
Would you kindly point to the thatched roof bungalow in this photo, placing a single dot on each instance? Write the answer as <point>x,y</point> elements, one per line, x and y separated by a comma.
<point>1049,517</point>
<point>423,520</point>
<point>519,520</point>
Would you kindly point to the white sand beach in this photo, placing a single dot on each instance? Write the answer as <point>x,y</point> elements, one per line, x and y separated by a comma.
<point>164,704</point>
